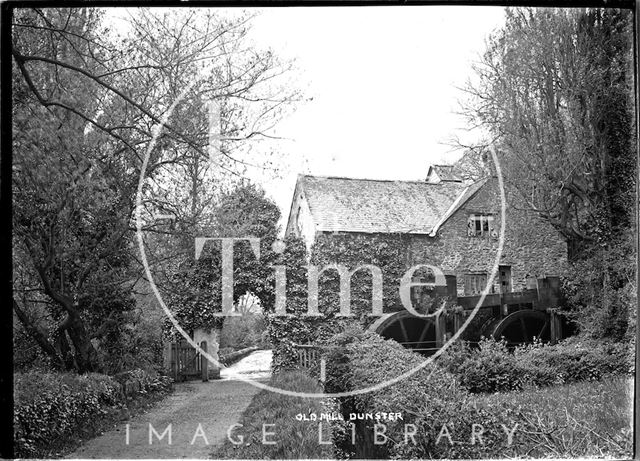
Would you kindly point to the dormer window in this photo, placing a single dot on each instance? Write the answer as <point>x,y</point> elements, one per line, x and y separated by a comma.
<point>481,225</point>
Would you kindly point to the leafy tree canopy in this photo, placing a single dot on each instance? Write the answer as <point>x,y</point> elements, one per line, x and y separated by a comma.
<point>86,105</point>
<point>555,93</point>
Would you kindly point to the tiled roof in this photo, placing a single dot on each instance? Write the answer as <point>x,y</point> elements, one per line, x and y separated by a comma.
<point>445,172</point>
<point>372,206</point>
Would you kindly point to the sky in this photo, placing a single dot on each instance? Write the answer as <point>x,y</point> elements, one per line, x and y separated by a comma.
<point>384,83</point>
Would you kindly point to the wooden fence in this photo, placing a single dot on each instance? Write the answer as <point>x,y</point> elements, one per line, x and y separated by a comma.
<point>308,355</point>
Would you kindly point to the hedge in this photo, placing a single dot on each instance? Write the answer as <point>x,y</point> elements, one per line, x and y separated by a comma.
<point>436,402</point>
<point>429,399</point>
<point>49,406</point>
<point>492,367</point>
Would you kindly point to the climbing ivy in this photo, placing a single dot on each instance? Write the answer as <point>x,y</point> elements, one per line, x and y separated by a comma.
<point>195,291</point>
<point>388,252</point>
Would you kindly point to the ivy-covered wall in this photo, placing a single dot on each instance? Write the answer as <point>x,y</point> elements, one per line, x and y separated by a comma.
<point>388,252</point>
<point>384,251</point>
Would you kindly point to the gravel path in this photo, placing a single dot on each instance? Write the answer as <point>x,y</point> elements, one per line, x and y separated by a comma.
<point>214,405</point>
<point>254,366</point>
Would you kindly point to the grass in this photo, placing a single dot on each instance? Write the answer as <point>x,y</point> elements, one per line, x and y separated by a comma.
<point>587,419</point>
<point>294,439</point>
<point>579,420</point>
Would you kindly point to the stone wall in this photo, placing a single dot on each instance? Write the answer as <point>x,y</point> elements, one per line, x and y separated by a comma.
<point>532,247</point>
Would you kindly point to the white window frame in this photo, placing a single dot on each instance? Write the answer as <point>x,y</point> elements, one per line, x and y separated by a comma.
<point>480,225</point>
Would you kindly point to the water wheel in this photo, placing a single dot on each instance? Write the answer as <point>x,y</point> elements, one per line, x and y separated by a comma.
<point>521,327</point>
<point>416,333</point>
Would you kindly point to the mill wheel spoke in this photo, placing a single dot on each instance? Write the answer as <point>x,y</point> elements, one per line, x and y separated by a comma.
<point>404,331</point>
<point>544,329</point>
<point>423,335</point>
<point>523,329</point>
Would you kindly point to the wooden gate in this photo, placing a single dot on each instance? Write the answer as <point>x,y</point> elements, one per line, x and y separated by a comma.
<point>308,355</point>
<point>187,363</point>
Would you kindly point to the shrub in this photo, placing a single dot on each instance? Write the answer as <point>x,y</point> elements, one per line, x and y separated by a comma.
<point>559,421</point>
<point>488,368</point>
<point>429,399</point>
<point>225,351</point>
<point>146,380</point>
<point>137,343</point>
<point>49,406</point>
<point>492,367</point>
<point>242,332</point>
<point>286,332</point>
<point>576,359</point>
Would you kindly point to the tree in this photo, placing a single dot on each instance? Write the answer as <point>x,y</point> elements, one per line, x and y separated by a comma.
<point>68,202</point>
<point>85,106</point>
<point>555,93</point>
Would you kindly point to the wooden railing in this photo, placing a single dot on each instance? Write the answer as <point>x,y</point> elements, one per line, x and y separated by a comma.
<point>539,299</point>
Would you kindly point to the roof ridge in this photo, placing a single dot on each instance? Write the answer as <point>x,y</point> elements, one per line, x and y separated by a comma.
<point>346,204</point>
<point>415,181</point>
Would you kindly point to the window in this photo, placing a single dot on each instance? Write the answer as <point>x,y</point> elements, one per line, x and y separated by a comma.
<point>474,284</point>
<point>481,225</point>
<point>298,221</point>
<point>505,278</point>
